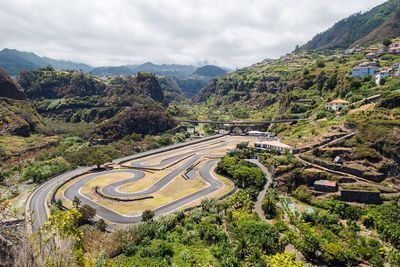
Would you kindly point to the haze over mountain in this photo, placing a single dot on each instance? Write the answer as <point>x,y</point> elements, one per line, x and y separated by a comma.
<point>14,61</point>
<point>163,69</point>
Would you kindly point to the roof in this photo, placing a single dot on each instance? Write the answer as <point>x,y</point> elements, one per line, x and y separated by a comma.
<point>275,143</point>
<point>257,132</point>
<point>325,183</point>
<point>338,101</point>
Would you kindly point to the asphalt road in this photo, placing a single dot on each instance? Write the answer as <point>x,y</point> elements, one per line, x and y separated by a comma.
<point>38,200</point>
<point>37,203</point>
<point>112,189</point>
<point>105,213</point>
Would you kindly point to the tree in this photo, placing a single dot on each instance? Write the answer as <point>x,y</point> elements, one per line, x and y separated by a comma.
<point>101,225</point>
<point>386,42</point>
<point>332,82</point>
<point>320,63</point>
<point>87,214</point>
<point>269,203</point>
<point>321,79</point>
<point>76,202</point>
<point>65,223</point>
<point>100,155</point>
<point>58,203</point>
<point>147,215</point>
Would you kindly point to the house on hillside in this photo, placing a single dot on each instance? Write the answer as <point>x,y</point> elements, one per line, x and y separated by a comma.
<point>370,56</point>
<point>337,105</point>
<point>349,51</point>
<point>361,71</point>
<point>274,145</point>
<point>325,186</point>
<point>394,48</point>
<point>387,72</point>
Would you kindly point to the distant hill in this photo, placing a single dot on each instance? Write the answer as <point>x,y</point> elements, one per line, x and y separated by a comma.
<point>210,71</point>
<point>171,90</point>
<point>163,70</point>
<point>114,70</point>
<point>16,116</point>
<point>192,85</point>
<point>8,88</point>
<point>116,104</point>
<point>366,28</point>
<point>14,61</point>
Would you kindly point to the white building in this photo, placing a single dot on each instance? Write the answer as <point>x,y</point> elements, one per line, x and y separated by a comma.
<point>274,145</point>
<point>364,71</point>
<point>382,74</point>
<point>371,55</point>
<point>261,134</point>
<point>337,105</point>
<point>394,48</point>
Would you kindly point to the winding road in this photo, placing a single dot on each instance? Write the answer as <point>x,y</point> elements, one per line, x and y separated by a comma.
<point>183,155</point>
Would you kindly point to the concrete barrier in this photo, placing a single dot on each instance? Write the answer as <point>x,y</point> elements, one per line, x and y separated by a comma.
<point>101,194</point>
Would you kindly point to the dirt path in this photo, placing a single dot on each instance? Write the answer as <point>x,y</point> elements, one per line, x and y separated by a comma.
<point>261,195</point>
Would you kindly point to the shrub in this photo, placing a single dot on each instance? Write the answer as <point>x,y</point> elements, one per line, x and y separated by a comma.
<point>147,215</point>
<point>43,170</point>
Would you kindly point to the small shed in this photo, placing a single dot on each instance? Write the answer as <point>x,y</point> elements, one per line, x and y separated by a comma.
<point>325,186</point>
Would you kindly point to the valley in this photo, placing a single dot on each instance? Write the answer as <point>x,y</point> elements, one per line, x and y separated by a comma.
<point>292,161</point>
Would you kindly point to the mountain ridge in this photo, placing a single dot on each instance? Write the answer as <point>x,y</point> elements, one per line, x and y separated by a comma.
<point>377,24</point>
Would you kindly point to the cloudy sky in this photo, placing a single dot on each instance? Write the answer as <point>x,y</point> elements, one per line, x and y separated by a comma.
<point>231,33</point>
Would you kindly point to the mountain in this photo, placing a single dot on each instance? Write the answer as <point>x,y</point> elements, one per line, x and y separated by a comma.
<point>171,90</point>
<point>73,96</point>
<point>48,83</point>
<point>140,119</point>
<point>114,70</point>
<point>8,88</point>
<point>14,61</point>
<point>16,116</point>
<point>366,28</point>
<point>163,70</point>
<point>210,71</point>
<point>166,69</point>
<point>144,85</point>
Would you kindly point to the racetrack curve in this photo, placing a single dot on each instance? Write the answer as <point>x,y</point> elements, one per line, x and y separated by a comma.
<point>114,217</point>
<point>186,154</point>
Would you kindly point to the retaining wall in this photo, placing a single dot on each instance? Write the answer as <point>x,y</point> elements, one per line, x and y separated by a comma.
<point>340,168</point>
<point>366,197</point>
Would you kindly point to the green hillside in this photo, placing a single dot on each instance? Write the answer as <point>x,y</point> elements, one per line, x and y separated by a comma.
<point>373,26</point>
<point>14,61</point>
<point>210,71</point>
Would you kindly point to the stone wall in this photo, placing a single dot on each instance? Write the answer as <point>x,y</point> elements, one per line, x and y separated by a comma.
<point>366,197</point>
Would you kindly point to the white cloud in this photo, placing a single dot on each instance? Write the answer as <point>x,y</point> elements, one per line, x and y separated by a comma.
<point>231,33</point>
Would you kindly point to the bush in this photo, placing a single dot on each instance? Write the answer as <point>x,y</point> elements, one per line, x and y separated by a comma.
<point>269,203</point>
<point>242,172</point>
<point>43,170</point>
<point>302,194</point>
<point>147,215</point>
<point>87,214</point>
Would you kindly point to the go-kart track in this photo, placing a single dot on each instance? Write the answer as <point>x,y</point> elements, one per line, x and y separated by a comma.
<point>164,180</point>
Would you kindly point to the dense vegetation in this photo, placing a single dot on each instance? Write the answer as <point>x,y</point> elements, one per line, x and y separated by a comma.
<point>210,71</point>
<point>372,26</point>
